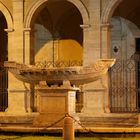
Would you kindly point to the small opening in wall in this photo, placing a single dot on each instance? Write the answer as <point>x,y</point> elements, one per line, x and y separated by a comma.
<point>115,49</point>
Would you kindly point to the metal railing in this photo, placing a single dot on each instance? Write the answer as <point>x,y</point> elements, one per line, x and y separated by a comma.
<point>125,86</point>
<point>49,64</point>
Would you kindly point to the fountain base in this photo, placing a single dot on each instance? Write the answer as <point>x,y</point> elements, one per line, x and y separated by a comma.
<point>54,103</point>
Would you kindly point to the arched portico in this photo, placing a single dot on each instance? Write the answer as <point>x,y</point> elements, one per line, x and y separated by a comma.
<point>108,10</point>
<point>37,5</point>
<point>7,15</point>
<point>6,25</point>
<point>116,9</point>
<point>32,13</point>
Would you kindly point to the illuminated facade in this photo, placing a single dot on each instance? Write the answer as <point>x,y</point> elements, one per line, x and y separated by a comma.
<point>76,31</point>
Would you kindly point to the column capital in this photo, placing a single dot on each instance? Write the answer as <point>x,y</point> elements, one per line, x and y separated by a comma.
<point>105,25</point>
<point>9,30</point>
<point>85,26</point>
<point>27,29</point>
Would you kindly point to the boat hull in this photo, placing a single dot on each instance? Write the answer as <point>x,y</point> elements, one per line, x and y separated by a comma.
<point>75,75</point>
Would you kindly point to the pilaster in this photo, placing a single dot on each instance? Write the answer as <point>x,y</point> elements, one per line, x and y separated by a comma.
<point>105,40</point>
<point>92,46</point>
<point>29,45</point>
<point>86,31</point>
<point>17,104</point>
<point>94,103</point>
<point>18,9</point>
<point>10,32</point>
<point>105,53</point>
<point>96,94</point>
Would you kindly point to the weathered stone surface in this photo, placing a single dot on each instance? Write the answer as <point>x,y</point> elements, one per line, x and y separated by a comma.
<point>98,38</point>
<point>76,75</point>
<point>53,104</point>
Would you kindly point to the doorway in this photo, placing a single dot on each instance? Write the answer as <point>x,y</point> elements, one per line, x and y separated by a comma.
<point>124,81</point>
<point>3,71</point>
<point>137,63</point>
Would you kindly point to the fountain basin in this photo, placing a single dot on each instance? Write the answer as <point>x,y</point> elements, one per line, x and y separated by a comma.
<point>77,75</point>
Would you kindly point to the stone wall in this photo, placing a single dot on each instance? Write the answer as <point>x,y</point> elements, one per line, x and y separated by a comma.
<point>8,4</point>
<point>96,45</point>
<point>23,46</point>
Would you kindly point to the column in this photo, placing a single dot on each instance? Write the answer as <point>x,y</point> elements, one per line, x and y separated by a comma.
<point>10,42</point>
<point>29,45</point>
<point>105,50</point>
<point>29,59</point>
<point>105,40</point>
<point>92,46</point>
<point>17,104</point>
<point>93,92</point>
<point>86,32</point>
<point>18,30</point>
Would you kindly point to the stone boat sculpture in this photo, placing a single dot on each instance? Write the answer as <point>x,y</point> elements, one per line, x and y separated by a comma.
<point>76,75</point>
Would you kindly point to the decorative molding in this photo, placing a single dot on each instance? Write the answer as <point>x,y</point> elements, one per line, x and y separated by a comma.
<point>85,26</point>
<point>18,90</point>
<point>27,29</point>
<point>9,30</point>
<point>105,24</point>
<point>95,90</point>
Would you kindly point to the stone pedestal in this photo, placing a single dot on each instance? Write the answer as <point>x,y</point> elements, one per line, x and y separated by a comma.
<point>17,104</point>
<point>94,99</point>
<point>53,104</point>
<point>94,102</point>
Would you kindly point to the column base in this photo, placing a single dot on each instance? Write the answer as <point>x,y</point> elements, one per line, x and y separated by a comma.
<point>94,102</point>
<point>16,102</point>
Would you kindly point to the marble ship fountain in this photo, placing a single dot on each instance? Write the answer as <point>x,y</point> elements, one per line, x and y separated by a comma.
<point>56,101</point>
<point>77,75</point>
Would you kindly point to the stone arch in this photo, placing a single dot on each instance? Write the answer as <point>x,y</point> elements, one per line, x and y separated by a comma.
<point>82,9</point>
<point>7,15</point>
<point>108,10</point>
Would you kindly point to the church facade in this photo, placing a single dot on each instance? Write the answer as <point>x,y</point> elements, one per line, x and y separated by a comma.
<point>79,32</point>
